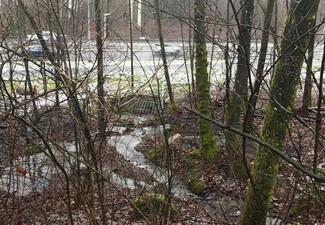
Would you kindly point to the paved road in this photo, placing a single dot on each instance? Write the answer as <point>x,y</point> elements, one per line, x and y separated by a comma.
<point>117,63</point>
<point>146,65</point>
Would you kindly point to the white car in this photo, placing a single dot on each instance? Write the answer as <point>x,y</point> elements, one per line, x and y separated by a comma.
<point>46,36</point>
<point>170,49</point>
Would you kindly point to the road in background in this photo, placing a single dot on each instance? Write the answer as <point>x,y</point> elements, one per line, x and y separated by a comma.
<point>147,66</point>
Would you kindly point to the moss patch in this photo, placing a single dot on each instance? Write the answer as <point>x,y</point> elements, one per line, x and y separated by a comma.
<point>33,149</point>
<point>194,168</point>
<point>152,204</point>
<point>194,155</point>
<point>196,186</point>
<point>152,156</point>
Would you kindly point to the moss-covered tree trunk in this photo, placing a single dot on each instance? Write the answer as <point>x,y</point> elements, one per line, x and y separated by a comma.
<point>208,145</point>
<point>283,91</point>
<point>238,98</point>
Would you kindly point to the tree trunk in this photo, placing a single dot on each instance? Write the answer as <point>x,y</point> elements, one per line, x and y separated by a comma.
<point>101,106</point>
<point>306,100</point>
<point>100,72</point>
<point>163,55</point>
<point>261,63</point>
<point>239,97</point>
<point>208,145</point>
<point>283,90</point>
<point>131,3</point>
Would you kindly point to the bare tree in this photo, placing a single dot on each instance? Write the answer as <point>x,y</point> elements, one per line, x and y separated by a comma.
<point>238,99</point>
<point>163,54</point>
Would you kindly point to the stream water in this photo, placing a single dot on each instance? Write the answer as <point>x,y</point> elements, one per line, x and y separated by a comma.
<point>39,171</point>
<point>29,173</point>
<point>125,145</point>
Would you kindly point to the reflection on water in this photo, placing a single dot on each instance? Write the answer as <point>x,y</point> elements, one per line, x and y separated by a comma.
<point>39,168</point>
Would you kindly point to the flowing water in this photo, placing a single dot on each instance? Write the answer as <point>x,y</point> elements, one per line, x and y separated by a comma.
<point>40,170</point>
<point>31,173</point>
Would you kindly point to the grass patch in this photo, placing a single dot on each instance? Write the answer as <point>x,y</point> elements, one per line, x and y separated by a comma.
<point>35,82</point>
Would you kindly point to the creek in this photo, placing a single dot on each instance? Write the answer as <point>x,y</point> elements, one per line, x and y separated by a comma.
<point>39,170</point>
<point>25,174</point>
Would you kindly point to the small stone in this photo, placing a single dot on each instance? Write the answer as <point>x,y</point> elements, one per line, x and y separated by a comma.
<point>174,138</point>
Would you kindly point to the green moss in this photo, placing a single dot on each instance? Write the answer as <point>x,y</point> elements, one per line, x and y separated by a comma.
<point>234,150</point>
<point>33,149</point>
<point>208,145</point>
<point>192,172</point>
<point>193,182</point>
<point>194,155</point>
<point>153,204</point>
<point>196,186</point>
<point>152,156</point>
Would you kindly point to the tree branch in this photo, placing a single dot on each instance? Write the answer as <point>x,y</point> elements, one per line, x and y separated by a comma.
<point>318,177</point>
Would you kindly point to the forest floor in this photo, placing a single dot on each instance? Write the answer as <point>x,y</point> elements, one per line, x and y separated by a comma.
<point>296,198</point>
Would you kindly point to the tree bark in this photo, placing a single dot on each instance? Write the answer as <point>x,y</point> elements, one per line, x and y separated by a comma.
<point>100,72</point>
<point>101,106</point>
<point>238,98</point>
<point>261,63</point>
<point>208,145</point>
<point>283,90</point>
<point>306,100</point>
<point>163,55</point>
